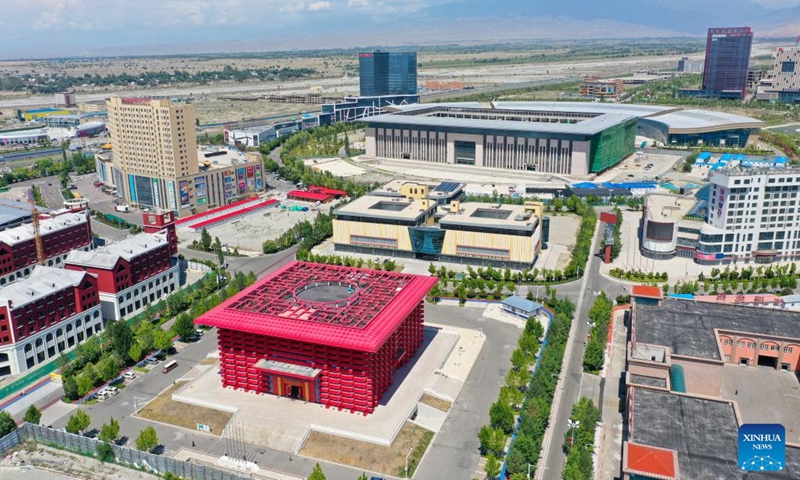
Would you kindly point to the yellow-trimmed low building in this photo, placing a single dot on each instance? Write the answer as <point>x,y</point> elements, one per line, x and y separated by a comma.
<point>414,227</point>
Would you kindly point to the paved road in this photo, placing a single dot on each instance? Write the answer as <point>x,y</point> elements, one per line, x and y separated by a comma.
<point>454,453</point>
<point>100,201</point>
<point>572,374</point>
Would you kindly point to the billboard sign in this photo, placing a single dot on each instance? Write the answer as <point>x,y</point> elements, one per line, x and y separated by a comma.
<point>171,194</point>
<point>183,187</point>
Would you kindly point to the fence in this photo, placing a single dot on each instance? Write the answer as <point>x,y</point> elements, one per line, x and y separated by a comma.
<point>122,455</point>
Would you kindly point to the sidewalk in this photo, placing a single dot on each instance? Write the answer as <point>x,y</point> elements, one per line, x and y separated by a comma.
<point>250,468</point>
<point>612,417</point>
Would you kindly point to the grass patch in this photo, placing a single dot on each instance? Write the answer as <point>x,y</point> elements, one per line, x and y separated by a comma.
<point>164,409</point>
<point>141,369</point>
<point>435,402</point>
<point>208,361</point>
<point>389,460</point>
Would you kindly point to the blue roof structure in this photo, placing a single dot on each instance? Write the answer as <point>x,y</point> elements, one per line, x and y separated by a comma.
<point>781,160</point>
<point>704,156</point>
<point>585,185</point>
<point>521,303</point>
<point>630,185</point>
<point>726,158</point>
<point>739,157</point>
<point>682,296</point>
<point>447,187</point>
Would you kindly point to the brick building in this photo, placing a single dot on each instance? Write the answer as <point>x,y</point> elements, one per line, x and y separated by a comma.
<point>321,333</point>
<point>60,235</point>
<point>44,315</point>
<point>136,271</point>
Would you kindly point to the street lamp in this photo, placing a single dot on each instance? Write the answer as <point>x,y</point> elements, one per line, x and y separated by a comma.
<point>529,470</point>
<point>572,425</point>
<point>409,454</point>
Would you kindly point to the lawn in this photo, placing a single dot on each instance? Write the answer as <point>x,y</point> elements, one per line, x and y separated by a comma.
<point>164,409</point>
<point>369,456</point>
<point>435,402</point>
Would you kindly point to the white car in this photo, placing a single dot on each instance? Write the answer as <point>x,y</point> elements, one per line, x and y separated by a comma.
<point>112,390</point>
<point>129,375</point>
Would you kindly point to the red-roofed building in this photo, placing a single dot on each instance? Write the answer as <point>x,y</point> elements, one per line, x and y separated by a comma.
<point>647,294</point>
<point>327,191</point>
<point>321,333</point>
<point>642,461</point>
<point>304,196</point>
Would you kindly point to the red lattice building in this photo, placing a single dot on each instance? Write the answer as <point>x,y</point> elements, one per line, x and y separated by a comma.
<point>321,333</point>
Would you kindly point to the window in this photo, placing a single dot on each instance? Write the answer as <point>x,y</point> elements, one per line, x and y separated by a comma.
<point>751,345</point>
<point>763,346</point>
<point>740,343</point>
<point>729,342</point>
<point>787,350</point>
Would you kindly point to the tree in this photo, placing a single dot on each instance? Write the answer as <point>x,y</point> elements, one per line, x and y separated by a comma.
<point>33,415</point>
<point>594,356</point>
<point>184,326</point>
<point>502,416</point>
<point>121,338</point>
<point>7,423</point>
<point>363,476</point>
<point>492,467</point>
<point>432,269</point>
<point>70,387</point>
<point>162,340</point>
<point>519,360</point>
<point>109,431</point>
<point>135,353</point>
<point>205,239</point>
<point>492,440</point>
<point>79,422</point>
<point>105,452</point>
<point>85,384</point>
<point>317,473</point>
<point>147,439</point>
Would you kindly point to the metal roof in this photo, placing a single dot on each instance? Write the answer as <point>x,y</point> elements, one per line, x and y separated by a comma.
<point>521,303</point>
<point>41,282</point>
<point>375,304</point>
<point>588,126</point>
<point>22,233</point>
<point>106,257</point>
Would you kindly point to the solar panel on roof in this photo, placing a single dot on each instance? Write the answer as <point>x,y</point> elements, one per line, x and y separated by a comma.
<point>446,187</point>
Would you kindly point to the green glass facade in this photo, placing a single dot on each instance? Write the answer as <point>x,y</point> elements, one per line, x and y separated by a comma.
<point>610,146</point>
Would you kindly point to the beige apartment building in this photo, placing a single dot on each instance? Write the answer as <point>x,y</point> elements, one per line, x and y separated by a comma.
<point>155,161</point>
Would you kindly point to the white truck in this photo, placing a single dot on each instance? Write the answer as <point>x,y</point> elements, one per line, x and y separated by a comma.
<point>122,208</point>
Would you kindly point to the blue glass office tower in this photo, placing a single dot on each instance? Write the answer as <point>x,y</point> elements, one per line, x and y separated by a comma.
<point>727,60</point>
<point>387,73</point>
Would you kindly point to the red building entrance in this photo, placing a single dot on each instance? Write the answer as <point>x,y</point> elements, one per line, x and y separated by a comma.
<point>289,380</point>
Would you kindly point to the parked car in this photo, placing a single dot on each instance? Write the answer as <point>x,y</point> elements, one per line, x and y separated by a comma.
<point>112,390</point>
<point>129,375</point>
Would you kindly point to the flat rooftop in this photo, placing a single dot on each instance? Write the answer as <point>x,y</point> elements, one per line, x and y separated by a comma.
<point>436,189</point>
<point>343,307</point>
<point>12,211</point>
<point>703,432</point>
<point>663,207</point>
<point>525,120</point>
<point>41,282</point>
<point>370,206</point>
<point>221,157</point>
<point>687,327</point>
<point>491,215</point>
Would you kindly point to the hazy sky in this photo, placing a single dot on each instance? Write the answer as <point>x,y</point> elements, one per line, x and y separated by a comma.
<point>30,27</point>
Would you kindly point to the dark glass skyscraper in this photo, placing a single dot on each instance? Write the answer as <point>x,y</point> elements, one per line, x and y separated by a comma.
<point>727,59</point>
<point>387,73</point>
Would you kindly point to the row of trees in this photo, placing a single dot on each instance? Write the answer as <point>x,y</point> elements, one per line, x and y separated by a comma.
<point>306,256</point>
<point>115,221</point>
<point>494,436</point>
<point>58,82</point>
<point>102,357</point>
<point>750,272</point>
<point>77,163</point>
<point>207,245</point>
<point>305,233</point>
<point>600,317</point>
<point>579,441</point>
<point>535,412</point>
<point>639,275</point>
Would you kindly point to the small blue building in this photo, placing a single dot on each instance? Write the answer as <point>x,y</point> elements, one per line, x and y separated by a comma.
<point>521,307</point>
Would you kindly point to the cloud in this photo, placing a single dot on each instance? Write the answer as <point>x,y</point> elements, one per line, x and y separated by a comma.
<point>358,3</point>
<point>319,6</point>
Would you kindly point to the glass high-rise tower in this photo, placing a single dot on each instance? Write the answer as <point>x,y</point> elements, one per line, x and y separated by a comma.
<point>387,73</point>
<point>727,60</point>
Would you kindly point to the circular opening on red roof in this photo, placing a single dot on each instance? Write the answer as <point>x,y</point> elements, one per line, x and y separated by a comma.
<point>331,292</point>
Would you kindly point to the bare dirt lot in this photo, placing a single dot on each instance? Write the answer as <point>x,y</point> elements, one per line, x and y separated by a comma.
<point>46,463</point>
<point>388,460</point>
<point>435,402</point>
<point>164,409</point>
<point>216,109</point>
